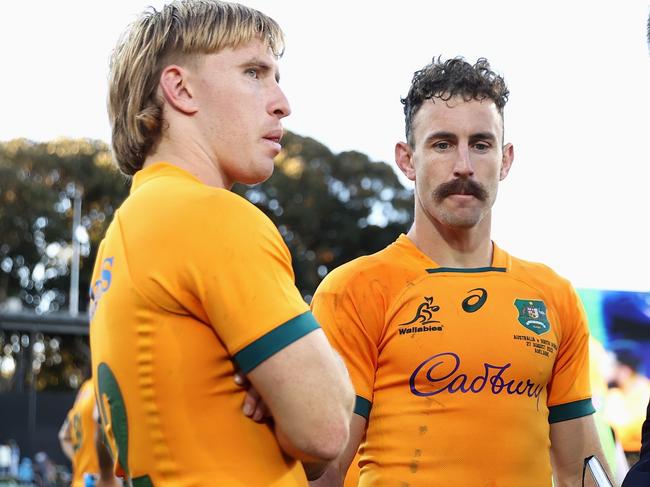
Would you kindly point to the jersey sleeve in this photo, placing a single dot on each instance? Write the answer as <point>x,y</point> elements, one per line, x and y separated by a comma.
<point>569,391</point>
<point>351,331</point>
<point>241,273</point>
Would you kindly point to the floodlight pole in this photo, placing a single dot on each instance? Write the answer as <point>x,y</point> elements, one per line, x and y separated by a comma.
<point>74,267</point>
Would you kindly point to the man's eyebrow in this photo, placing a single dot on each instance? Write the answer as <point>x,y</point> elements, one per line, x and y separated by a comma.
<point>441,134</point>
<point>263,66</point>
<point>483,136</point>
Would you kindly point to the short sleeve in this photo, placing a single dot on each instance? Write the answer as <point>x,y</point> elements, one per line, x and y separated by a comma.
<point>569,391</point>
<point>351,333</point>
<point>240,271</point>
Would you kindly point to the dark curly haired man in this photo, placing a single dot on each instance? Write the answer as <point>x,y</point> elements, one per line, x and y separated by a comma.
<point>470,365</point>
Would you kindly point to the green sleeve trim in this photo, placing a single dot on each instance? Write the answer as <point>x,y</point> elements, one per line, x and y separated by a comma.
<point>108,386</point>
<point>362,407</point>
<point>144,481</point>
<point>261,349</point>
<point>571,410</point>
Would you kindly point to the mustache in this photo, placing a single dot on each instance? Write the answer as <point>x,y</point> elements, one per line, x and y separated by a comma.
<point>460,186</point>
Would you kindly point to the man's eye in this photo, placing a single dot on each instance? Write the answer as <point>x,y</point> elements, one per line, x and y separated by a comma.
<point>481,146</point>
<point>442,145</point>
<point>252,72</point>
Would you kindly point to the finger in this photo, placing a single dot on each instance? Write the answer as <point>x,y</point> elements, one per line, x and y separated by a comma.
<point>262,412</point>
<point>250,402</point>
<point>258,415</point>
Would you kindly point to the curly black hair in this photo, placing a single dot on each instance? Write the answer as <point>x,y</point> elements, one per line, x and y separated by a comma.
<point>453,77</point>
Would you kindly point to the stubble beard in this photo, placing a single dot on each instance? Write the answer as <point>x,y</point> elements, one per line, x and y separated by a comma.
<point>446,213</point>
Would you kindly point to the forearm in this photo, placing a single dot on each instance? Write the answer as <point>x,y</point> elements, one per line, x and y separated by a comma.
<point>569,474</point>
<point>66,446</point>
<point>571,442</point>
<point>330,477</point>
<point>65,440</point>
<point>294,451</point>
<point>316,441</point>
<point>310,397</point>
<point>337,471</point>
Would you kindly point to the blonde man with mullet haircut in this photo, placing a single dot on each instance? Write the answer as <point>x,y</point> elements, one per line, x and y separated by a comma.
<point>192,283</point>
<point>181,31</point>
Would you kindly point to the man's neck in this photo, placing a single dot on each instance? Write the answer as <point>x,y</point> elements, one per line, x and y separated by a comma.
<point>463,248</point>
<point>191,158</point>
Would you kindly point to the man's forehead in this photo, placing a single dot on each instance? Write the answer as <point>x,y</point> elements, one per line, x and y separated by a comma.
<point>254,48</point>
<point>458,101</point>
<point>253,52</point>
<point>456,112</point>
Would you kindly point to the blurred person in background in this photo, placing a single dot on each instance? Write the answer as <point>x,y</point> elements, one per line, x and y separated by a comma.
<point>26,471</point>
<point>601,368</point>
<point>80,437</point>
<point>45,472</point>
<point>625,402</point>
<point>639,474</point>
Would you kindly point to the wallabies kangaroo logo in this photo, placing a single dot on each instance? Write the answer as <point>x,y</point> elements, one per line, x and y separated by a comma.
<point>424,314</point>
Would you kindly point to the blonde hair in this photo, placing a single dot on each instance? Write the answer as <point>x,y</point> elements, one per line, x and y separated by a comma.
<point>180,31</point>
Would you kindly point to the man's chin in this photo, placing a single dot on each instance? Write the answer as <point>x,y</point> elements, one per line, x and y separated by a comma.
<point>462,220</point>
<point>256,175</point>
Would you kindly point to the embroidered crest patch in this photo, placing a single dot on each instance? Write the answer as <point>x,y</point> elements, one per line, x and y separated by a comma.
<point>532,315</point>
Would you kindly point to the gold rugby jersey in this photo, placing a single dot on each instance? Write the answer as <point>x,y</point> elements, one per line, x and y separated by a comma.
<point>458,371</point>
<point>190,283</point>
<point>82,432</point>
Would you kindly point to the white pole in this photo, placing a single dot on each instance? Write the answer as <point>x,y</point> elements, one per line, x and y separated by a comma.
<point>74,268</point>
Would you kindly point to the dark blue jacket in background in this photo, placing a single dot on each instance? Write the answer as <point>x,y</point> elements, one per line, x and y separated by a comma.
<point>639,474</point>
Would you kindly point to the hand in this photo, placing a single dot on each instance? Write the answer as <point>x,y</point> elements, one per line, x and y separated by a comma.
<point>254,406</point>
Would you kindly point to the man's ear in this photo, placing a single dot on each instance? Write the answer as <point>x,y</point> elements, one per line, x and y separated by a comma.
<point>404,159</point>
<point>506,161</point>
<point>176,89</point>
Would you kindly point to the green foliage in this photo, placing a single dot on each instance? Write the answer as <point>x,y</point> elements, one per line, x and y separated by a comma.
<point>329,209</point>
<point>37,185</point>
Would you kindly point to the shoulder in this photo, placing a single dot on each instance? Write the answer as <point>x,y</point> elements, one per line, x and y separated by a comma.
<point>360,272</point>
<point>228,208</point>
<point>190,212</point>
<point>169,188</point>
<point>557,292</point>
<point>186,197</point>
<point>540,276</point>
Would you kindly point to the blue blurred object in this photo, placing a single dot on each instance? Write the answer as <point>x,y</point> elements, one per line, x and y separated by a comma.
<point>627,321</point>
<point>620,320</point>
<point>25,471</point>
<point>90,480</point>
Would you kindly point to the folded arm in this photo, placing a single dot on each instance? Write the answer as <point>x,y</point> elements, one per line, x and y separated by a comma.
<point>334,474</point>
<point>308,392</point>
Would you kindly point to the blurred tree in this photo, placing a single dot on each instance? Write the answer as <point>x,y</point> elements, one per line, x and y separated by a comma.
<point>330,208</point>
<point>37,187</point>
<point>42,360</point>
